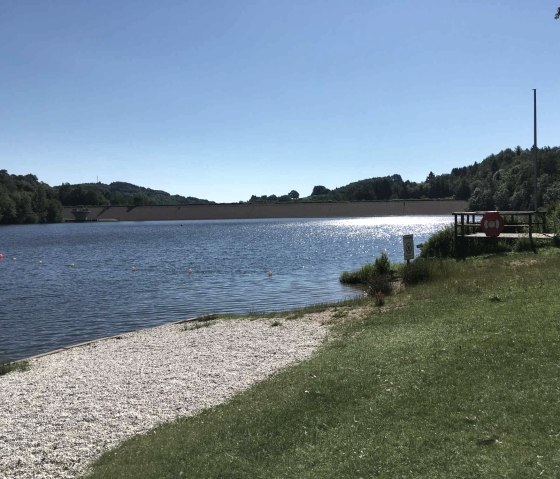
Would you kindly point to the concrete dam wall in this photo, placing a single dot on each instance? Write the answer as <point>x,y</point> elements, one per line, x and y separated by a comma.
<point>273,210</point>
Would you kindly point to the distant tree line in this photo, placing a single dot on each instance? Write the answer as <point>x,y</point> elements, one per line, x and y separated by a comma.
<point>119,194</point>
<point>291,196</point>
<point>24,199</point>
<point>502,181</point>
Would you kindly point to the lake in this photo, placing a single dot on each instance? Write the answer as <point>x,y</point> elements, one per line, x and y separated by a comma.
<point>65,283</point>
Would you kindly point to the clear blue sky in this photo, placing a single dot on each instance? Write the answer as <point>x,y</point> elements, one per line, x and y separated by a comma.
<point>222,99</point>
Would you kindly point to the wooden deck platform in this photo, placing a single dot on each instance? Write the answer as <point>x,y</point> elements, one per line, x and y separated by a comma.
<point>516,225</point>
<point>512,235</point>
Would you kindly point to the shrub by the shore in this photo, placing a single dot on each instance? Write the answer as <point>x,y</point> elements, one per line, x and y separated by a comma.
<point>375,277</point>
<point>439,245</point>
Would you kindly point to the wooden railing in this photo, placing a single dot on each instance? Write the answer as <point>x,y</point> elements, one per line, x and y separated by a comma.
<point>517,225</point>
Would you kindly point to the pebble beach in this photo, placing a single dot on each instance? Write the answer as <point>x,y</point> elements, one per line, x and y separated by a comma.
<point>71,406</point>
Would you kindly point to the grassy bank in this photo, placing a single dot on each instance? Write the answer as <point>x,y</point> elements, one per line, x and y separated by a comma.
<point>455,378</point>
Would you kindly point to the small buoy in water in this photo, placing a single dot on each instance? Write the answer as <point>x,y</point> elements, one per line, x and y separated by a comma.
<point>133,268</point>
<point>13,259</point>
<point>40,263</point>
<point>1,256</point>
<point>189,271</point>
<point>72,265</point>
<point>269,274</point>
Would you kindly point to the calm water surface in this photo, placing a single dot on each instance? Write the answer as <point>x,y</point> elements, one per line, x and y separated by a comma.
<point>65,283</point>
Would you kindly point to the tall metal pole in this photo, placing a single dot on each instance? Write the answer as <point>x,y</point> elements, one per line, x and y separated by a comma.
<point>536,201</point>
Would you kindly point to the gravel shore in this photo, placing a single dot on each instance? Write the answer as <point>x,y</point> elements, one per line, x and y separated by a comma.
<point>72,406</point>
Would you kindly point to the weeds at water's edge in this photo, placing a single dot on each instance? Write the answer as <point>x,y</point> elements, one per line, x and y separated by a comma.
<point>6,368</point>
<point>207,317</point>
<point>196,325</point>
<point>293,314</point>
<point>296,313</point>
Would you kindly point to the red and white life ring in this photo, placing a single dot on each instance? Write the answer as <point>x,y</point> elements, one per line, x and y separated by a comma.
<point>492,223</point>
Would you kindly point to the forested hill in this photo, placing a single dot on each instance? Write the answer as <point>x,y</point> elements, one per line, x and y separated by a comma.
<point>504,181</point>
<point>119,194</point>
<point>25,199</point>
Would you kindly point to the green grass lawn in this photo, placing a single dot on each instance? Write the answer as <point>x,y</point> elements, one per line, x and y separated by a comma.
<point>456,378</point>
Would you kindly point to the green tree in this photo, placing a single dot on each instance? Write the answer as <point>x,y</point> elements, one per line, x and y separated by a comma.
<point>8,211</point>
<point>502,197</point>
<point>552,194</point>
<point>382,188</point>
<point>320,190</point>
<point>294,195</point>
<point>53,211</point>
<point>139,200</point>
<point>24,207</point>
<point>39,203</point>
<point>481,200</point>
<point>462,191</point>
<point>520,199</point>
